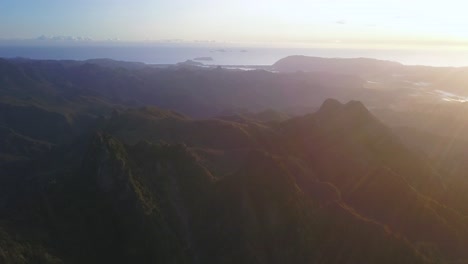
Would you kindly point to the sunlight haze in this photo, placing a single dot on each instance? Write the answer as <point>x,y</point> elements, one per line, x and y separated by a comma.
<point>233,131</point>
<point>362,22</point>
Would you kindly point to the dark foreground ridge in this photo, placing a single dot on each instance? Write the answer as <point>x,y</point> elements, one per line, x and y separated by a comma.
<point>156,186</point>
<point>90,172</point>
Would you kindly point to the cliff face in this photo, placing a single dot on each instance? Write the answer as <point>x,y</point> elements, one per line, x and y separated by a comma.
<point>335,186</point>
<point>166,206</point>
<point>133,204</point>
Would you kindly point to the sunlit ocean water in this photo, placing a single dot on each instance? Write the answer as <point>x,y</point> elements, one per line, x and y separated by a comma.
<point>232,56</point>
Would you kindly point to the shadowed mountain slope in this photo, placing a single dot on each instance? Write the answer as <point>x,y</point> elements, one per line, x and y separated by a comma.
<point>91,173</point>
<point>335,186</point>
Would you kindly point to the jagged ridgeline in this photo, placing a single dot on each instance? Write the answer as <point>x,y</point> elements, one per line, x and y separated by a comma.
<point>89,174</point>
<point>159,203</point>
<point>154,186</point>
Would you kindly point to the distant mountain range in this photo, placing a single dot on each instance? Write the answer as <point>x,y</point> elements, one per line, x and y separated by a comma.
<point>120,162</point>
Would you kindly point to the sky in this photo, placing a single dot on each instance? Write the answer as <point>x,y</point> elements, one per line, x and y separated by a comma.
<point>361,22</point>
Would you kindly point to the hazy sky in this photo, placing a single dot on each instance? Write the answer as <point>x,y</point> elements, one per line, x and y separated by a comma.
<point>266,21</point>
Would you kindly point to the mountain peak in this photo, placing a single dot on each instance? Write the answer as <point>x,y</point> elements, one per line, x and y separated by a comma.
<point>356,107</point>
<point>331,105</point>
<point>353,111</point>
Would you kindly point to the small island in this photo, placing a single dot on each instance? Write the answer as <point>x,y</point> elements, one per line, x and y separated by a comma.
<point>203,59</point>
<point>189,63</point>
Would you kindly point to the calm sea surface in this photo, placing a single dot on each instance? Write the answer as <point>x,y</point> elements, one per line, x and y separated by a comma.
<point>231,56</point>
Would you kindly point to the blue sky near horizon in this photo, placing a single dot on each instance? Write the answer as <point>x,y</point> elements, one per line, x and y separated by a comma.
<point>397,22</point>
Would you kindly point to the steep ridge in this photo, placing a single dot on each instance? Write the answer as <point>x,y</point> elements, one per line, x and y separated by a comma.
<point>246,217</point>
<point>335,186</point>
<point>124,204</point>
<point>357,115</point>
<point>265,200</point>
<point>376,174</point>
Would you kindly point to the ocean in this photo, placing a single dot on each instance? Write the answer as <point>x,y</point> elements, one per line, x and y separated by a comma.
<point>221,55</point>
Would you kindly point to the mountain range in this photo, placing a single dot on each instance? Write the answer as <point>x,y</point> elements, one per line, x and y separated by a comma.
<point>118,162</point>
